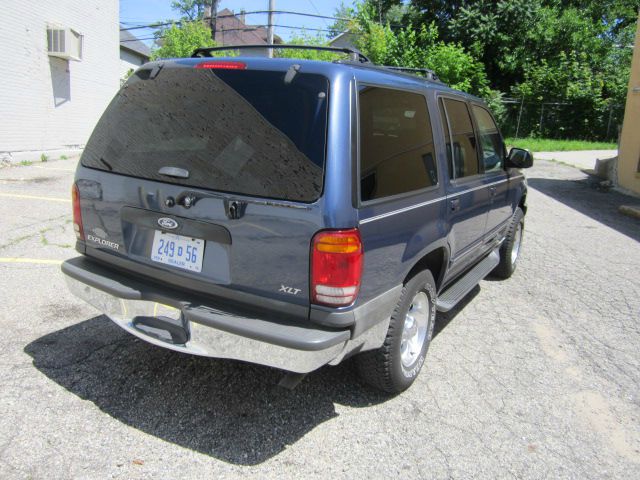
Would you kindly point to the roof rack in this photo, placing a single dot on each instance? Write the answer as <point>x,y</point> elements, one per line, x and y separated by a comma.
<point>430,74</point>
<point>354,54</point>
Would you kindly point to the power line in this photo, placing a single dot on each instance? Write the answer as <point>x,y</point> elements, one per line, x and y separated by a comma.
<point>152,25</point>
<point>317,11</point>
<point>256,12</point>
<point>247,28</point>
<point>287,12</point>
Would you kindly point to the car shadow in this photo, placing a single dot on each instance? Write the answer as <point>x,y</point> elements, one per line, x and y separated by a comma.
<point>230,410</point>
<point>445,318</point>
<point>584,196</point>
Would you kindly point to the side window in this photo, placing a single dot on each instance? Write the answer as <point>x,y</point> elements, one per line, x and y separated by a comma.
<point>465,155</point>
<point>396,143</point>
<point>493,149</point>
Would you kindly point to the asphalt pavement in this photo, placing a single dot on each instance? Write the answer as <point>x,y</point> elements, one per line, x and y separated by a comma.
<point>534,377</point>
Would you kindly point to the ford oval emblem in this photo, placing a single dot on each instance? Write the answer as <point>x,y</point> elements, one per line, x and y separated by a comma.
<point>168,223</point>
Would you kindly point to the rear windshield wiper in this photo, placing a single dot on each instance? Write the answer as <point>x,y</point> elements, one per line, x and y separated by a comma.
<point>174,172</point>
<point>106,164</point>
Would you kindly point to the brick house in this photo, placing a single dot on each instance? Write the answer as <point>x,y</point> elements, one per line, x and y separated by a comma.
<point>231,29</point>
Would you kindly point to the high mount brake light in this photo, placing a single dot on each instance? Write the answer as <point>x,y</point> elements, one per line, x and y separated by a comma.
<point>222,65</point>
<point>336,267</point>
<point>77,212</point>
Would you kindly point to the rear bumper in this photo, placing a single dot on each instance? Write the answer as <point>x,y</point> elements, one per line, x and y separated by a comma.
<point>175,320</point>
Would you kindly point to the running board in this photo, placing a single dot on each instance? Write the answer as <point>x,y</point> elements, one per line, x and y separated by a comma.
<point>456,292</point>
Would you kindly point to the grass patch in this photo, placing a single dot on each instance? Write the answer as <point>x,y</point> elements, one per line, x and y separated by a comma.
<point>44,158</point>
<point>45,241</point>
<point>26,163</point>
<point>63,157</point>
<point>551,145</point>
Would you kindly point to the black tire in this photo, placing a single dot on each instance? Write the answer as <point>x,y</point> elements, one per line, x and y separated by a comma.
<point>509,262</point>
<point>383,368</point>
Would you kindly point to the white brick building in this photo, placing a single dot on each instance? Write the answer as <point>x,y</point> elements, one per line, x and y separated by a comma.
<point>47,103</point>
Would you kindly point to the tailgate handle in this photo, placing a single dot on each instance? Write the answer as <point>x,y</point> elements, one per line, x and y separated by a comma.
<point>174,172</point>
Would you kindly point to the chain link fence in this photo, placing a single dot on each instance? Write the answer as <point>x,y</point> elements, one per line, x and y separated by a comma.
<point>560,120</point>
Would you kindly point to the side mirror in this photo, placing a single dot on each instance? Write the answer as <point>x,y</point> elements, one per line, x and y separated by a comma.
<point>519,158</point>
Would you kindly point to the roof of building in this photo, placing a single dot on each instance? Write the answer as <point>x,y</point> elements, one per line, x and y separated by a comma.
<point>344,39</point>
<point>231,30</point>
<point>130,42</point>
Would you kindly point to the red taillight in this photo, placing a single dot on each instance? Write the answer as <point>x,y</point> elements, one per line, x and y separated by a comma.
<point>77,213</point>
<point>222,65</point>
<point>336,267</point>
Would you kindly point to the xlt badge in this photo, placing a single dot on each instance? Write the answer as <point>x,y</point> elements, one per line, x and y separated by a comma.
<point>289,290</point>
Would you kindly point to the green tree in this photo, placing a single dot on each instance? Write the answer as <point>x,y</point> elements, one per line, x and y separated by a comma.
<point>419,48</point>
<point>181,41</point>
<point>305,38</point>
<point>346,15</point>
<point>555,51</point>
<point>190,10</point>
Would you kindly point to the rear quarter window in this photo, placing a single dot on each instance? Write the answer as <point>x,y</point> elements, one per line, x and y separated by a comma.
<point>396,143</point>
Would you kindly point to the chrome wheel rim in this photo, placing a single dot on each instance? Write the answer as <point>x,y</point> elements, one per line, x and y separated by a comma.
<point>414,330</point>
<point>517,241</point>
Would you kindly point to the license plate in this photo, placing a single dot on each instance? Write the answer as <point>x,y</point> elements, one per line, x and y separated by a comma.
<point>178,251</point>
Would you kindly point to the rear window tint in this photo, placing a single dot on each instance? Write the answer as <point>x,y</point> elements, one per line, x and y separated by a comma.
<point>245,132</point>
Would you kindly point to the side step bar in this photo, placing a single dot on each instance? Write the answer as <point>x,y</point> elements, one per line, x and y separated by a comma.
<point>456,292</point>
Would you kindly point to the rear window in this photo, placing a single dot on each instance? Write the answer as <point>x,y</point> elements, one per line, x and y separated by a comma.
<point>245,132</point>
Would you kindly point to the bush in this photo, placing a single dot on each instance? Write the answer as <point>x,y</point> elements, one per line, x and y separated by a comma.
<point>182,41</point>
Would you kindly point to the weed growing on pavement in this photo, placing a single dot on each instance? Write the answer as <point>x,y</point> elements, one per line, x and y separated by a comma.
<point>44,158</point>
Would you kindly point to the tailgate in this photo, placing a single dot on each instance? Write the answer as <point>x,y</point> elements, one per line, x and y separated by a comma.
<point>210,176</point>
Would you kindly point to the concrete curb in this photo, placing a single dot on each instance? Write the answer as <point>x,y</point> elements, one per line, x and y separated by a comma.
<point>630,211</point>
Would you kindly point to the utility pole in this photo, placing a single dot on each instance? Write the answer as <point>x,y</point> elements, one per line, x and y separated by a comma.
<point>213,19</point>
<point>272,7</point>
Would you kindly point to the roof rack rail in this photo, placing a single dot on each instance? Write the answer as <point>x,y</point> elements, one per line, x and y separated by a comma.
<point>354,54</point>
<point>430,74</point>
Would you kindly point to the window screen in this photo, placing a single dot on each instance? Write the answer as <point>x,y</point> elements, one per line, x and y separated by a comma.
<point>493,150</point>
<point>396,143</point>
<point>465,156</point>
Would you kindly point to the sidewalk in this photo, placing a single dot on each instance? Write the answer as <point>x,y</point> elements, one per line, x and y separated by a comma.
<point>583,159</point>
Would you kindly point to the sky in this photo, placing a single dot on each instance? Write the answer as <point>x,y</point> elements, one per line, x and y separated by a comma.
<point>141,12</point>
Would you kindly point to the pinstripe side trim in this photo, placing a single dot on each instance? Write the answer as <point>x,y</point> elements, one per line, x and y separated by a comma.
<point>435,200</point>
<point>479,187</point>
<point>401,210</point>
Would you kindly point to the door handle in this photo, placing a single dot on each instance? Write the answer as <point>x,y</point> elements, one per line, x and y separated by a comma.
<point>492,191</point>
<point>455,204</point>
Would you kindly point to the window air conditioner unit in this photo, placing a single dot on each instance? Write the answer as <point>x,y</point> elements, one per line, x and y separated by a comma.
<point>64,43</point>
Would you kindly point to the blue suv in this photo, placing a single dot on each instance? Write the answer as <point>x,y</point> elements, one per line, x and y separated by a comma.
<point>293,213</point>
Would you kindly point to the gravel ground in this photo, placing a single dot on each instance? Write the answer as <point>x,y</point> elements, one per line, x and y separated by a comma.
<point>533,377</point>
